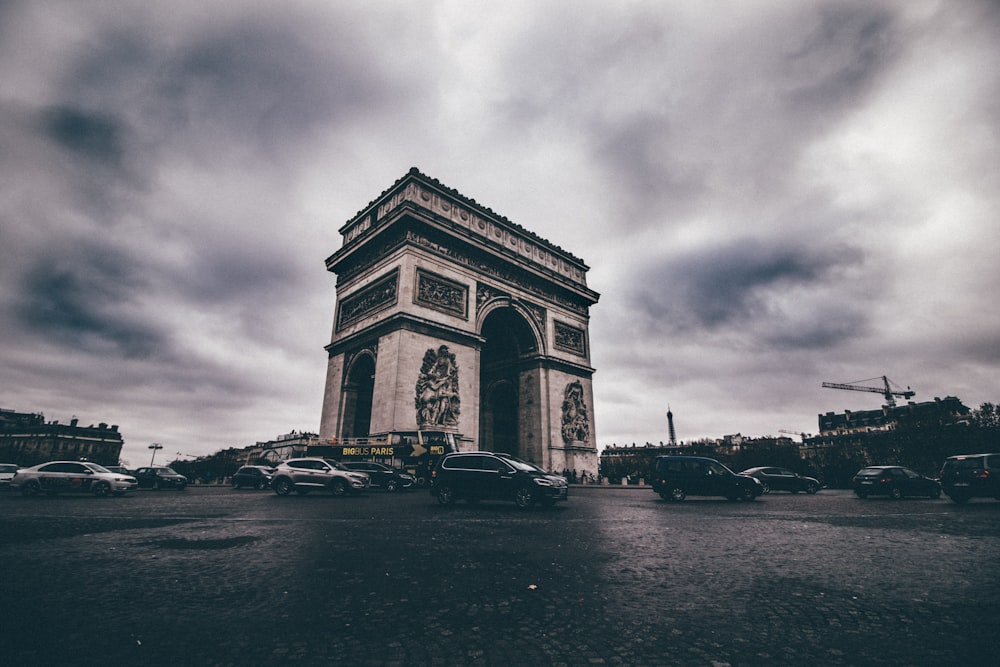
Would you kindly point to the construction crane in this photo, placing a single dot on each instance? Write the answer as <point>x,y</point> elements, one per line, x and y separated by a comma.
<point>886,390</point>
<point>798,433</point>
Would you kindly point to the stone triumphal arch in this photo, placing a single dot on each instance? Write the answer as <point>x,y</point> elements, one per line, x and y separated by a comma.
<point>450,317</point>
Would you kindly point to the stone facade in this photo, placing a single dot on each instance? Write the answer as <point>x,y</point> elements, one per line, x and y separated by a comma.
<point>27,439</point>
<point>451,317</point>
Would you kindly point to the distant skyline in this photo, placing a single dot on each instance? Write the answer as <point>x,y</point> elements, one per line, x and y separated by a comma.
<point>770,195</point>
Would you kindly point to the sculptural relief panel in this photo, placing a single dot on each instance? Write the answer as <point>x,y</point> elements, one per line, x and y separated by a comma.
<point>441,294</point>
<point>379,295</point>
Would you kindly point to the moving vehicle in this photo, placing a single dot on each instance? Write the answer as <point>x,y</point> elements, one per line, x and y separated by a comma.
<point>677,477</point>
<point>7,471</point>
<point>57,477</point>
<point>312,473</point>
<point>389,478</point>
<point>475,476</point>
<point>252,477</point>
<point>160,477</point>
<point>971,476</point>
<point>783,479</point>
<point>894,481</point>
<point>416,452</point>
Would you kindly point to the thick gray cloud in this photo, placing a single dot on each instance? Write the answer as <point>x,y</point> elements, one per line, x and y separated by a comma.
<point>769,195</point>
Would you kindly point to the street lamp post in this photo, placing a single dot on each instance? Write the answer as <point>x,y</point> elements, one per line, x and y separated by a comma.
<point>155,446</point>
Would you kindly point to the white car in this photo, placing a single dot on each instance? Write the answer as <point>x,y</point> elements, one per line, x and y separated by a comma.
<point>7,471</point>
<point>71,477</point>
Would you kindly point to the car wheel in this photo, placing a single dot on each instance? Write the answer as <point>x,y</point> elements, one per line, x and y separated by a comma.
<point>747,494</point>
<point>237,485</point>
<point>767,487</point>
<point>445,495</point>
<point>338,488</point>
<point>283,486</point>
<point>896,493</point>
<point>392,486</point>
<point>102,490</point>
<point>261,485</point>
<point>677,494</point>
<point>30,488</point>
<point>811,489</point>
<point>523,497</point>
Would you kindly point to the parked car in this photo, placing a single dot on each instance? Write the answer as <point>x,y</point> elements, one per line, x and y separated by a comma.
<point>971,476</point>
<point>7,471</point>
<point>782,479</point>
<point>387,477</point>
<point>160,477</point>
<point>475,476</point>
<point>252,477</point>
<point>677,477</point>
<point>895,482</point>
<point>311,474</point>
<point>57,477</point>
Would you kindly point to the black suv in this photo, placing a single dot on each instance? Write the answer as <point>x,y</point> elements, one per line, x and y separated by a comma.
<point>971,476</point>
<point>380,474</point>
<point>677,477</point>
<point>475,476</point>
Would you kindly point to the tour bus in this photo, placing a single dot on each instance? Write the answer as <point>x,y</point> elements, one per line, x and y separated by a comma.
<point>416,452</point>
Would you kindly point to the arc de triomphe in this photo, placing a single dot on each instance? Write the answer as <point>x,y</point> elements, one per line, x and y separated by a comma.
<point>451,317</point>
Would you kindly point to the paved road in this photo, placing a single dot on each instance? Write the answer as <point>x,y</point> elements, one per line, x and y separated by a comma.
<point>211,576</point>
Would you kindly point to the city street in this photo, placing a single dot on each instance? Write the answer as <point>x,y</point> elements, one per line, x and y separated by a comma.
<point>213,576</point>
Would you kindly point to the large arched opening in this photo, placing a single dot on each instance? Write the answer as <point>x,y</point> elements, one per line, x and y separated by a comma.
<point>359,389</point>
<point>509,345</point>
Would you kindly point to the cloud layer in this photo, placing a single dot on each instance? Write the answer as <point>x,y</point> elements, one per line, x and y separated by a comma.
<point>768,195</point>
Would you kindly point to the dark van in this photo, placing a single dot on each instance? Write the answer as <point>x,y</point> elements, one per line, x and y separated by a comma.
<point>971,476</point>
<point>677,477</point>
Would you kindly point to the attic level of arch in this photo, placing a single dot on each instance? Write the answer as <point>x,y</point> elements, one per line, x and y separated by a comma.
<point>497,264</point>
<point>450,297</point>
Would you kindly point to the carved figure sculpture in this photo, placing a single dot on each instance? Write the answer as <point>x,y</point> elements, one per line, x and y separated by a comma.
<point>437,399</point>
<point>575,419</point>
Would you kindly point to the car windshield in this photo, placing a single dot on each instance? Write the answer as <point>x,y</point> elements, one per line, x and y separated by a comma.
<point>870,471</point>
<point>336,464</point>
<point>967,464</point>
<point>96,468</point>
<point>8,468</point>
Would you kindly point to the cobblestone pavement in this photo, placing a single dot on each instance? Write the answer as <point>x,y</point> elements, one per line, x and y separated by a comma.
<point>212,576</point>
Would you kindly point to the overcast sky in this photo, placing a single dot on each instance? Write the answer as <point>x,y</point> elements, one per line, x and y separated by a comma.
<point>769,195</point>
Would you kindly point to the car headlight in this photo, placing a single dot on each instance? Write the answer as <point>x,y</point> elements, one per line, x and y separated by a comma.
<point>541,481</point>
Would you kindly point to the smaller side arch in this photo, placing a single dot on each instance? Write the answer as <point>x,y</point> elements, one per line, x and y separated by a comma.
<point>357,394</point>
